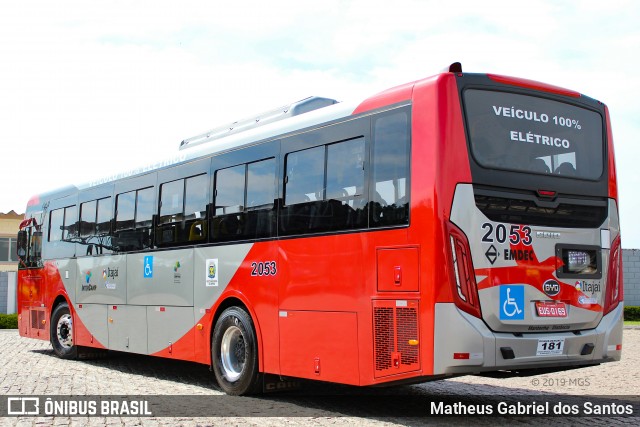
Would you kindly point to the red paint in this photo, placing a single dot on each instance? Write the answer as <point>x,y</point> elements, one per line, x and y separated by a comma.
<point>385,98</point>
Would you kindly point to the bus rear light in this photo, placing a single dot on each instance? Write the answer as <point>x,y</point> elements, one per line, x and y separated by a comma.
<point>614,292</point>
<point>546,194</point>
<point>460,356</point>
<point>465,290</point>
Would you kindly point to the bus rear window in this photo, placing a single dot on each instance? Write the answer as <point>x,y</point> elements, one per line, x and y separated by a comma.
<point>534,135</point>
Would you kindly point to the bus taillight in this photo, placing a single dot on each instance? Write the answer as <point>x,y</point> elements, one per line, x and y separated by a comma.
<point>614,292</point>
<point>465,289</point>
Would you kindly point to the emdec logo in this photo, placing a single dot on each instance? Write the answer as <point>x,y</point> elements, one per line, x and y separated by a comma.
<point>551,288</point>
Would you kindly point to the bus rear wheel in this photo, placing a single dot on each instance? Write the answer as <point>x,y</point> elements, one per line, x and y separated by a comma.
<point>61,333</point>
<point>234,353</point>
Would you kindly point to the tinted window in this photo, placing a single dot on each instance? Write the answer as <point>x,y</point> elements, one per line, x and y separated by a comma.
<point>325,188</point>
<point>134,214</point>
<point>144,207</point>
<point>88,218</point>
<point>245,207</point>
<point>171,201</point>
<point>183,208</point>
<point>70,229</point>
<point>125,210</point>
<point>533,135</point>
<point>56,222</point>
<point>345,169</point>
<point>196,197</point>
<point>260,183</point>
<point>104,214</point>
<point>304,181</point>
<point>389,195</point>
<point>229,195</point>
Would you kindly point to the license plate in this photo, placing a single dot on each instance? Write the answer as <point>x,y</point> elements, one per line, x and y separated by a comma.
<point>548,346</point>
<point>551,309</point>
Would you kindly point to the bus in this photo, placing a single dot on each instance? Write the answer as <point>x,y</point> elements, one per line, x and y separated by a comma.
<point>460,224</point>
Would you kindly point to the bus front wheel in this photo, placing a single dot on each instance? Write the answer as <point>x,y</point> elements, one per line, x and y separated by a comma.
<point>234,353</point>
<point>61,333</point>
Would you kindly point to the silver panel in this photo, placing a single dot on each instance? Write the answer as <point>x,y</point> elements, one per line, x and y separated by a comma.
<point>128,328</point>
<point>167,325</point>
<point>102,280</point>
<point>67,269</point>
<point>206,291</point>
<point>94,318</point>
<point>496,257</point>
<point>168,279</point>
<point>459,332</point>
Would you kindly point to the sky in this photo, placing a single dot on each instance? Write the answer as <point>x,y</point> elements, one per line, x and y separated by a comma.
<point>89,89</point>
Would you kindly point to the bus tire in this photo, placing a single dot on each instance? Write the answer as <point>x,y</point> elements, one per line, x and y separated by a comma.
<point>234,353</point>
<point>61,333</point>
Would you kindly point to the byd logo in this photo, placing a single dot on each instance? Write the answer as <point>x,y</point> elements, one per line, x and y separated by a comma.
<point>551,288</point>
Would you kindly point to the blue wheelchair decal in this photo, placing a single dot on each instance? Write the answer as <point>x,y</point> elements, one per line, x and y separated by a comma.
<point>148,267</point>
<point>512,302</point>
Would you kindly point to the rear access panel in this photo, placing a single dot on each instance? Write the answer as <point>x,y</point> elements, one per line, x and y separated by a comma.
<point>320,345</point>
<point>127,325</point>
<point>398,269</point>
<point>396,334</point>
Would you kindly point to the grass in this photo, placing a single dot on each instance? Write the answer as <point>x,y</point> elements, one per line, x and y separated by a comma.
<point>632,323</point>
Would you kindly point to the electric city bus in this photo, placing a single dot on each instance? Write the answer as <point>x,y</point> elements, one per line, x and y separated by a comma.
<point>459,224</point>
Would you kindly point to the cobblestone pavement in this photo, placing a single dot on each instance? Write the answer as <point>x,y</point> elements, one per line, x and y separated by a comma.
<point>28,367</point>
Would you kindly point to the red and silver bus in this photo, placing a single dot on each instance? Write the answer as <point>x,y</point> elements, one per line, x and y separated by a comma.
<point>459,224</point>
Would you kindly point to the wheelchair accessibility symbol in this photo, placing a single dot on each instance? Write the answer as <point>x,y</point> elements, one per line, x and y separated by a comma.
<point>512,302</point>
<point>148,267</point>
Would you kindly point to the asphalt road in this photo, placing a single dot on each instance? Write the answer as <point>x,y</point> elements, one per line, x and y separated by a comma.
<point>29,368</point>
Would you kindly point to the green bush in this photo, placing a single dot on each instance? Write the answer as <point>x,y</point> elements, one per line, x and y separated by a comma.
<point>632,313</point>
<point>8,321</point>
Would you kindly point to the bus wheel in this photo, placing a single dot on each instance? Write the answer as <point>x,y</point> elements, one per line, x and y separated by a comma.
<point>62,332</point>
<point>234,353</point>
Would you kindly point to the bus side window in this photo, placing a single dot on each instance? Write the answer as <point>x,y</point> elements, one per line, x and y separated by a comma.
<point>325,188</point>
<point>196,195</point>
<point>88,219</point>
<point>228,203</point>
<point>183,209</point>
<point>261,194</point>
<point>389,198</point>
<point>244,201</point>
<point>56,222</point>
<point>134,214</point>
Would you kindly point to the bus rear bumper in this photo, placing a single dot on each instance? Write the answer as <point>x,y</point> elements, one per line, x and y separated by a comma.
<point>464,344</point>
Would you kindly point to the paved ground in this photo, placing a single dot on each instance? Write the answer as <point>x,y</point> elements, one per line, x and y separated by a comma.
<point>28,367</point>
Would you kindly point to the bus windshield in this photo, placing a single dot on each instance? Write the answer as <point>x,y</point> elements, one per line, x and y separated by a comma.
<point>533,135</point>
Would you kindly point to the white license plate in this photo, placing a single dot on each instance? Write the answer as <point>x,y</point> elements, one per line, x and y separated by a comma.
<point>548,347</point>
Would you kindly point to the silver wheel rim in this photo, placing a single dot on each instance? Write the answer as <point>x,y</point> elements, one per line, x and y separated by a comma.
<point>232,351</point>
<point>64,331</point>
